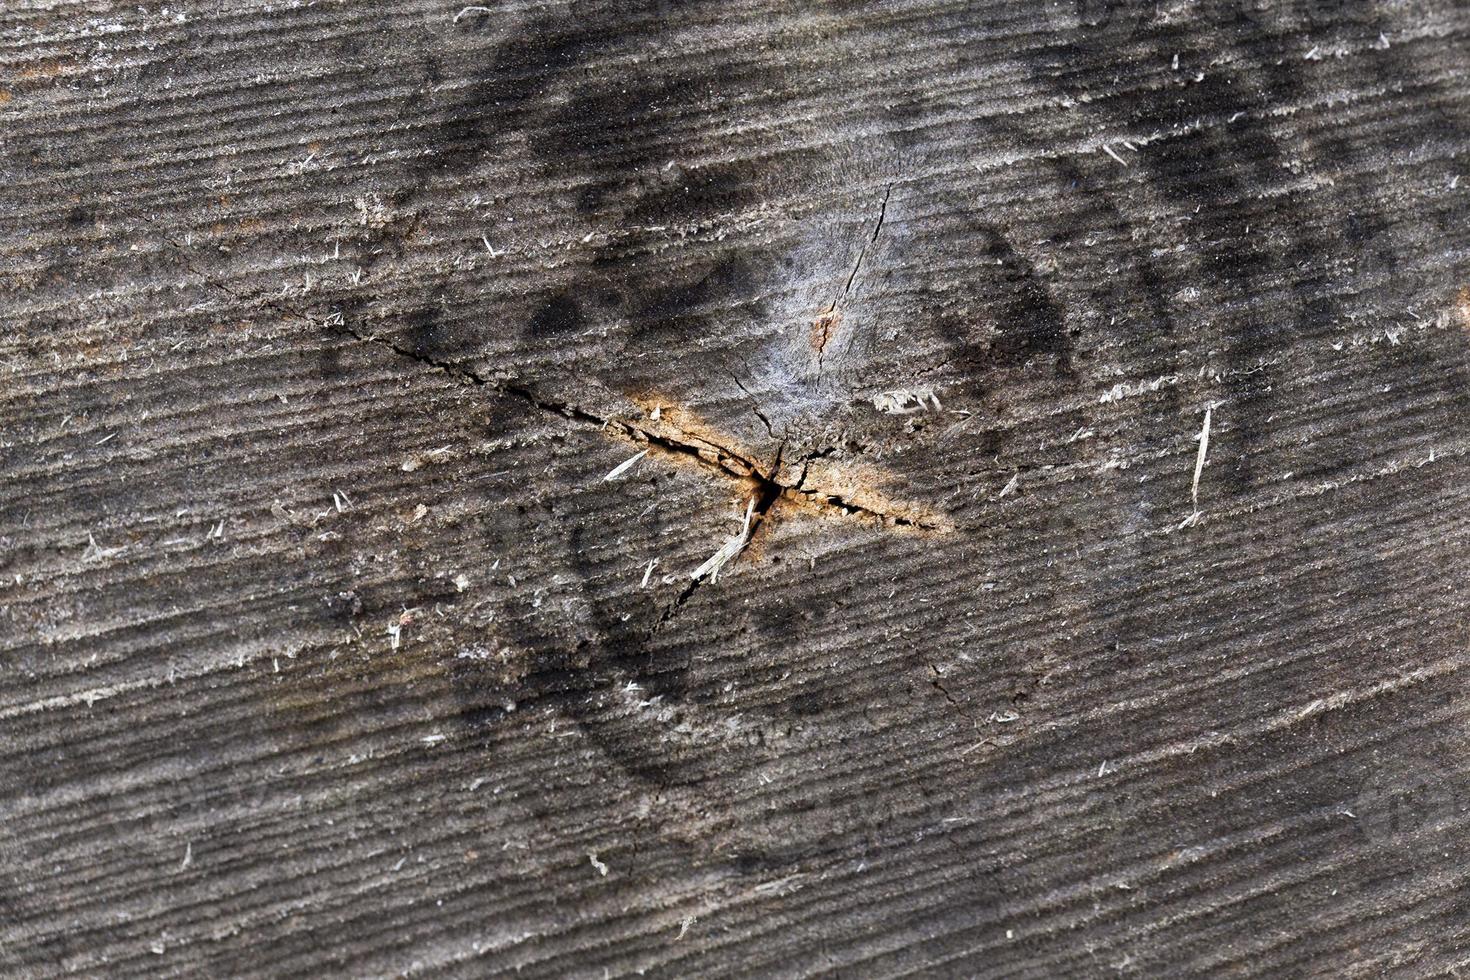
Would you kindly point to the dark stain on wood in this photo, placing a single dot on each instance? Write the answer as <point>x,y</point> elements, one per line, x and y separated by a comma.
<point>330,645</point>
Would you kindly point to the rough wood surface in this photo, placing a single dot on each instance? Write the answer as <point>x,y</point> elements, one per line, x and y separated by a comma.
<point>327,645</point>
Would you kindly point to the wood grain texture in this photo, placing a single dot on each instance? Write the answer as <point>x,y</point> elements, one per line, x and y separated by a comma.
<point>328,648</point>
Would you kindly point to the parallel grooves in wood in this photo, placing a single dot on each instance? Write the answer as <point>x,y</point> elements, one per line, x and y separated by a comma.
<point>1074,734</point>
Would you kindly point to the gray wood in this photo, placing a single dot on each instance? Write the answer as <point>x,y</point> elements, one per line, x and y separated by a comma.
<point>328,647</point>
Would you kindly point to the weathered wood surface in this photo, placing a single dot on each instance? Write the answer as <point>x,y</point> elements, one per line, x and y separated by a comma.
<point>326,645</point>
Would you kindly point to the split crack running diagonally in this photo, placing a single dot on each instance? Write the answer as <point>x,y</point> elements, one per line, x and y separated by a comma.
<point>768,488</point>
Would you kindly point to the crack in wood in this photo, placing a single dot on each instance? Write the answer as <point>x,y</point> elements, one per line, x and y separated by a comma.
<point>706,451</point>
<point>827,323</point>
<point>754,404</point>
<point>768,489</point>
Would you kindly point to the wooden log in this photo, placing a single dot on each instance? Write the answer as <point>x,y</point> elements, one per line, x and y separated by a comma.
<point>867,488</point>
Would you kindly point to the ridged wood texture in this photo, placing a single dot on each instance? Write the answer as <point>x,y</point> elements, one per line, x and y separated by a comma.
<point>325,646</point>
